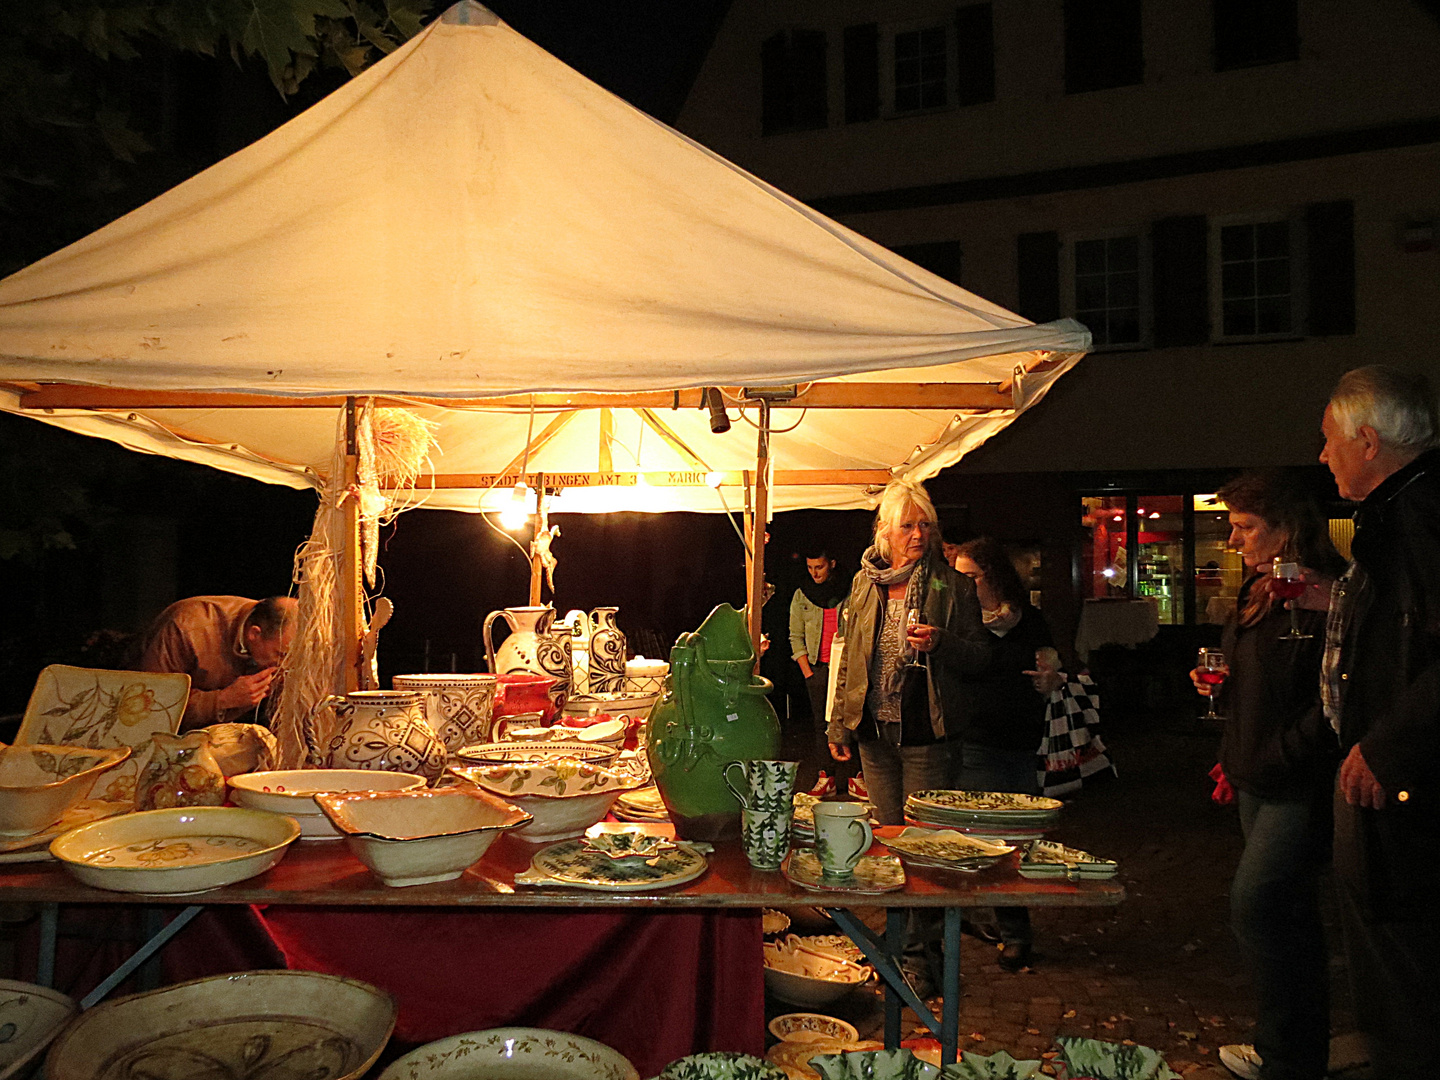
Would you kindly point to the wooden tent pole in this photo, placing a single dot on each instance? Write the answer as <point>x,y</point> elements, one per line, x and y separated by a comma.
<point>351,596</point>
<point>537,523</point>
<point>758,521</point>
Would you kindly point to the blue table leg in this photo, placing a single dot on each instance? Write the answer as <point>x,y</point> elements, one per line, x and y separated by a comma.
<point>950,988</point>
<point>147,950</point>
<point>49,932</point>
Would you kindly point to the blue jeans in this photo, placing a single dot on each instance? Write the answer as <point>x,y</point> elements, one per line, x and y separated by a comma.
<point>893,772</point>
<point>985,768</point>
<point>1275,913</point>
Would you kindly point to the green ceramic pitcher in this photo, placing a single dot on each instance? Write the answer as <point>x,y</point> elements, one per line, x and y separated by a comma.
<point>713,711</point>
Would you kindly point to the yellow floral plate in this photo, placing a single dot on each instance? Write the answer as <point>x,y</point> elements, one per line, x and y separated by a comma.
<point>176,851</point>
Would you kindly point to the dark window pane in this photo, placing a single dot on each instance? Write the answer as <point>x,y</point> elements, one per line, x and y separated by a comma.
<point>907,98</point>
<point>1272,239</point>
<point>1125,290</point>
<point>975,48</point>
<point>1239,318</point>
<point>1273,315</point>
<point>1090,257</point>
<point>907,46</point>
<point>1124,253</point>
<point>1272,277</point>
<point>1094,321</point>
<point>1237,242</point>
<point>1251,32</point>
<point>1090,292</point>
<point>1124,326</point>
<point>1103,45</point>
<point>1237,279</point>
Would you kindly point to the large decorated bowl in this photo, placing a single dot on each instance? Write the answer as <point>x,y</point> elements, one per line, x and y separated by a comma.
<point>565,796</point>
<point>420,836</point>
<point>176,851</point>
<point>293,791</point>
<point>519,753</point>
<point>513,1053</point>
<point>281,1024</point>
<point>796,975</point>
<point>39,783</point>
<point>30,1017</point>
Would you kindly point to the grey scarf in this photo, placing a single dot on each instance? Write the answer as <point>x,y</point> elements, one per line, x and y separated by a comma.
<point>915,575</point>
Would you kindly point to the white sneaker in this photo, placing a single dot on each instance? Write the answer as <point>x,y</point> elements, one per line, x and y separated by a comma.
<point>1242,1060</point>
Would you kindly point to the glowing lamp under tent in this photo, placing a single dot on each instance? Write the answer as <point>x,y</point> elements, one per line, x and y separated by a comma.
<point>516,515</point>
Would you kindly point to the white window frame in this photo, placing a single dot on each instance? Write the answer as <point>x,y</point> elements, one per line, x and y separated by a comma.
<point>1067,282</point>
<point>1297,277</point>
<point>888,31</point>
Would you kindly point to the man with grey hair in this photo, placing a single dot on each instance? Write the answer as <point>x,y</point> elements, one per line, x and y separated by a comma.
<point>1381,687</point>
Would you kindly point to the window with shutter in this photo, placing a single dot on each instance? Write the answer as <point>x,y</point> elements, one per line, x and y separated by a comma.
<point>974,54</point>
<point>862,73</point>
<point>1249,33</point>
<point>1257,280</point>
<point>1180,280</point>
<point>1107,295</point>
<point>921,69</point>
<point>794,94</point>
<point>1330,252</point>
<point>1103,45</point>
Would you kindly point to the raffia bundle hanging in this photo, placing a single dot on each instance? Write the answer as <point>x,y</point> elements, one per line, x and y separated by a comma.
<point>392,445</point>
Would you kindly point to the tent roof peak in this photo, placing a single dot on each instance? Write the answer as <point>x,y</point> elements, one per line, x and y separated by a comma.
<point>469,13</point>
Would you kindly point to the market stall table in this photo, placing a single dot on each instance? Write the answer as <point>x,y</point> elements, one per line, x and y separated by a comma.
<point>319,875</point>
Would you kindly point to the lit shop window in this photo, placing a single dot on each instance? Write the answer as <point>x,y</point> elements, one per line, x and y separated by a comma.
<point>1218,569</point>
<point>1160,565</point>
<point>1103,557</point>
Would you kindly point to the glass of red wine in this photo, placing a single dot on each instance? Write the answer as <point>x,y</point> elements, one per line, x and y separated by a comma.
<point>1213,672</point>
<point>1287,583</point>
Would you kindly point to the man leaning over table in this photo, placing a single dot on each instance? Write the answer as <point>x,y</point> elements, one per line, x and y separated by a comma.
<point>1380,682</point>
<point>230,647</point>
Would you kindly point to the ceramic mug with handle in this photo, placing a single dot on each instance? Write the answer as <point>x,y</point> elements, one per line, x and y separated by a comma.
<point>767,785</point>
<point>842,835</point>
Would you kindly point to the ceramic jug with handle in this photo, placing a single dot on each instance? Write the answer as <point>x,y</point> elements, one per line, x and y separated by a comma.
<point>532,646</point>
<point>713,711</point>
<point>607,652</point>
<point>376,729</point>
<point>181,772</point>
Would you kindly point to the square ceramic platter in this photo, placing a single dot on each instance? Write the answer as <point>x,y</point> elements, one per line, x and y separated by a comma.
<point>572,864</point>
<point>177,851</point>
<point>946,849</point>
<point>872,874</point>
<point>1046,859</point>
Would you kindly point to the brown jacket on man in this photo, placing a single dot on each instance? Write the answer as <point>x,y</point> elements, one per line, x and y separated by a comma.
<point>203,637</point>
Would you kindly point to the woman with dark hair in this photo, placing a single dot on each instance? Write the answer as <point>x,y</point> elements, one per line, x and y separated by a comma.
<point>1279,754</point>
<point>1004,704</point>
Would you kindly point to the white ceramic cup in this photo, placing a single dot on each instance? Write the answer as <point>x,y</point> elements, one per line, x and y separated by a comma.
<point>842,835</point>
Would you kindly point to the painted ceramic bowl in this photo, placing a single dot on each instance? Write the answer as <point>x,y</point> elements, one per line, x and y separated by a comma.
<point>39,783</point>
<point>293,791</point>
<point>512,1054</point>
<point>177,851</point>
<point>721,1065</point>
<point>254,1023</point>
<point>637,705</point>
<point>811,1027</point>
<point>420,836</point>
<point>30,1017</point>
<point>514,753</point>
<point>624,843</point>
<point>565,796</point>
<point>808,979</point>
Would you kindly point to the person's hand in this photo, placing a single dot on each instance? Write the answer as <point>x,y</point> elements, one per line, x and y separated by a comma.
<point>805,669</point>
<point>1047,676</point>
<point>1316,596</point>
<point>1358,783</point>
<point>922,638</point>
<point>1204,689</point>
<point>248,690</point>
<point>764,644</point>
<point>841,752</point>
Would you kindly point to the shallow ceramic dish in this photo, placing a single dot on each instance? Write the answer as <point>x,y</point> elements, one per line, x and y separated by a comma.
<point>514,1053</point>
<point>38,783</point>
<point>176,851</point>
<point>721,1065</point>
<point>627,843</point>
<point>971,801</point>
<point>293,791</point>
<point>872,874</point>
<point>517,753</point>
<point>946,849</point>
<point>811,1027</point>
<point>565,796</point>
<point>1045,859</point>
<point>807,979</point>
<point>282,1025</point>
<point>571,864</point>
<point>607,732</point>
<point>636,705</point>
<point>420,836</point>
<point>30,1017</point>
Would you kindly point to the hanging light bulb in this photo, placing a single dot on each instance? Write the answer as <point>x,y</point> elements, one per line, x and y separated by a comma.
<point>516,515</point>
<point>714,479</point>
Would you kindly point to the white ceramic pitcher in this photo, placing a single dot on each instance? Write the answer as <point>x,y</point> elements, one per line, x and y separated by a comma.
<point>532,646</point>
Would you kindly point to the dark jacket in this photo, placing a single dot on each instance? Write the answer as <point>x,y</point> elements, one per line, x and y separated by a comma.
<point>961,649</point>
<point>1001,709</point>
<point>1390,702</point>
<point>1277,742</point>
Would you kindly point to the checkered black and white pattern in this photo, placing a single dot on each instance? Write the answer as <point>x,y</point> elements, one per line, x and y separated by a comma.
<point>1071,750</point>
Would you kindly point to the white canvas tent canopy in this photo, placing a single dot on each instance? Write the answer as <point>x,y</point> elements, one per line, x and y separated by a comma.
<point>474,228</point>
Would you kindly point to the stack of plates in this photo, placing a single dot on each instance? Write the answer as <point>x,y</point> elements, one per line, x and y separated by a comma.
<point>642,805</point>
<point>1045,859</point>
<point>984,813</point>
<point>945,849</point>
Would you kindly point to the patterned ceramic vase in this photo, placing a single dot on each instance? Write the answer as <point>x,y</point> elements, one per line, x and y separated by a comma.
<point>714,711</point>
<point>459,708</point>
<point>532,646</point>
<point>607,653</point>
<point>376,729</point>
<point>181,772</point>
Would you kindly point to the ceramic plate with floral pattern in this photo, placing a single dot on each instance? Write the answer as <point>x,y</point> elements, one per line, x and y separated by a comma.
<point>627,843</point>
<point>873,873</point>
<point>1047,859</point>
<point>946,849</point>
<point>573,864</point>
<point>984,801</point>
<point>514,1051</point>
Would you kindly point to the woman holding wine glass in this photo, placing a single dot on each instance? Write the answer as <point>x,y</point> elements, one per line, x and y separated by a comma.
<point>1280,755</point>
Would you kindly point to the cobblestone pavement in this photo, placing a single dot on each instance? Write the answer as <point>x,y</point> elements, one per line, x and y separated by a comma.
<point>1161,969</point>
